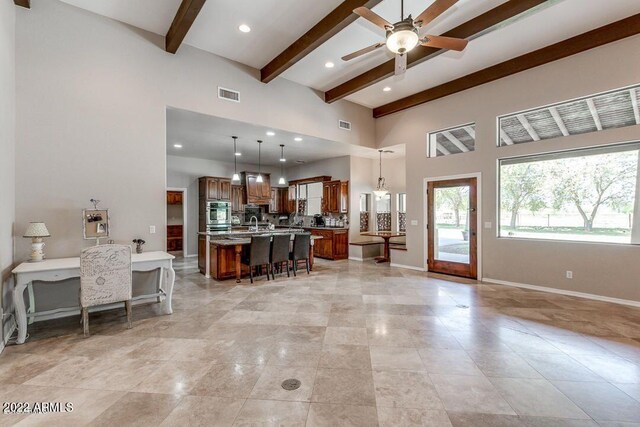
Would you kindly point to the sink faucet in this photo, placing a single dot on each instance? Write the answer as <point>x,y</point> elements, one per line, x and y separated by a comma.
<point>250,220</point>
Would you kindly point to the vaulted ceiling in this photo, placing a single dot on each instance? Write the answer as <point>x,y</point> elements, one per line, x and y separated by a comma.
<point>277,24</point>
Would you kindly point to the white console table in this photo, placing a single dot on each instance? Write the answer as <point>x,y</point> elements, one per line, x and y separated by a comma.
<point>53,270</point>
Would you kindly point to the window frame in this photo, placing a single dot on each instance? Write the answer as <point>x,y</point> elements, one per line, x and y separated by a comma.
<point>429,156</point>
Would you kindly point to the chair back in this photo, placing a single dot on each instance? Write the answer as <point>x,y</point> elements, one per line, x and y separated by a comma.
<point>259,250</point>
<point>301,245</point>
<point>280,247</point>
<point>105,275</point>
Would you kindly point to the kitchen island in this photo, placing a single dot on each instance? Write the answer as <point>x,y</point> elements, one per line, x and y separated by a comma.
<point>220,252</point>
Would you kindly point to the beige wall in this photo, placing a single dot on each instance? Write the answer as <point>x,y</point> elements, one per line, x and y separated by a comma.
<point>7,155</point>
<point>92,94</point>
<point>336,168</point>
<point>602,269</point>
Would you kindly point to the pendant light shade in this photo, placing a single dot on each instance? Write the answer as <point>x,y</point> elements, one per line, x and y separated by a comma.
<point>259,178</point>
<point>235,177</point>
<point>282,181</point>
<point>381,190</point>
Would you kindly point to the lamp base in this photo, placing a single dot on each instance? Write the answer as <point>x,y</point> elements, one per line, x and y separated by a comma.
<point>37,250</point>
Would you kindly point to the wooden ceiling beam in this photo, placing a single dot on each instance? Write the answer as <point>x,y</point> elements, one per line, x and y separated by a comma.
<point>329,26</point>
<point>182,22</point>
<point>470,29</point>
<point>600,36</point>
<point>23,3</point>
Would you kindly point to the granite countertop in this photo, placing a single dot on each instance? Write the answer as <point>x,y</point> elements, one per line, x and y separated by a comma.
<point>326,228</point>
<point>245,240</point>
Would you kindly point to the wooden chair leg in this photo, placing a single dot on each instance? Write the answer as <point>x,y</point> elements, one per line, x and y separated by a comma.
<point>127,307</point>
<point>85,321</point>
<point>288,275</point>
<point>295,268</point>
<point>266,267</point>
<point>251,273</point>
<point>306,262</point>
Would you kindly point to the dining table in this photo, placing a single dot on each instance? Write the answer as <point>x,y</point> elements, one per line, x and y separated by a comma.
<point>386,236</point>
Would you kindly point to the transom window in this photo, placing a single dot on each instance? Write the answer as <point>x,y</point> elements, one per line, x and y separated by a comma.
<point>593,113</point>
<point>455,140</point>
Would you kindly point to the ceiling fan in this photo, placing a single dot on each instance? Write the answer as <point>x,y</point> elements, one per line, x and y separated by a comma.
<point>403,36</point>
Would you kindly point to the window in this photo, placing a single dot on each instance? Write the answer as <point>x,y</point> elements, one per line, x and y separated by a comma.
<point>402,212</point>
<point>459,139</point>
<point>365,208</point>
<point>593,113</point>
<point>581,195</point>
<point>383,213</point>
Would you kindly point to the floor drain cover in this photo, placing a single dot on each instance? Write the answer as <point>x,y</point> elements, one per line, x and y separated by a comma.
<point>462,306</point>
<point>291,384</point>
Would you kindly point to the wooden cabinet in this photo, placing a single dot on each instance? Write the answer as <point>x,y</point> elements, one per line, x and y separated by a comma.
<point>211,188</point>
<point>333,245</point>
<point>174,197</point>
<point>291,199</point>
<point>174,238</point>
<point>237,198</point>
<point>279,200</point>
<point>258,193</point>
<point>335,196</point>
<point>344,197</point>
<point>202,244</point>
<point>222,260</point>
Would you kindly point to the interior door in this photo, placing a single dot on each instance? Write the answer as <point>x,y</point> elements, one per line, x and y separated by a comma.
<point>452,227</point>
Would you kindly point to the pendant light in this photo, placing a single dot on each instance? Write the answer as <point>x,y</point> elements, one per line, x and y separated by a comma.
<point>281,181</point>
<point>236,177</point>
<point>381,190</point>
<point>259,178</point>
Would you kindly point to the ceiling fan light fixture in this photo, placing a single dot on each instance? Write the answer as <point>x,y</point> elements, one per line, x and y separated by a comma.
<point>402,38</point>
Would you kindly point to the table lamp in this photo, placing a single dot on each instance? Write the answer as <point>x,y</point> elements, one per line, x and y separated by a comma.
<point>37,230</point>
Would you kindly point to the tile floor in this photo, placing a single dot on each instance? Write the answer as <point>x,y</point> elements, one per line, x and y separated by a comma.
<point>372,345</point>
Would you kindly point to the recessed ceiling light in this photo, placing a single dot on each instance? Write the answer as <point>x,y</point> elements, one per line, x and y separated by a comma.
<point>244,28</point>
<point>297,138</point>
<point>386,89</point>
<point>238,153</point>
<point>177,145</point>
<point>329,64</point>
<point>270,133</point>
<point>283,160</point>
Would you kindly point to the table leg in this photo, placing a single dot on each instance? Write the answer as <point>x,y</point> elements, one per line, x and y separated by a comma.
<point>238,263</point>
<point>20,311</point>
<point>385,257</point>
<point>311,255</point>
<point>170,280</point>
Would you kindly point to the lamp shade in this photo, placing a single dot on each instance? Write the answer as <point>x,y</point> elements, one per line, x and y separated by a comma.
<point>37,229</point>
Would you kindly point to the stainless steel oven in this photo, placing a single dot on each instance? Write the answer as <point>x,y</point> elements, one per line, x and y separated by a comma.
<point>218,215</point>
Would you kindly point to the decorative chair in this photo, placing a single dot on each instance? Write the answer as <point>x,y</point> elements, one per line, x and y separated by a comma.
<point>301,246</point>
<point>105,278</point>
<point>280,252</point>
<point>258,254</point>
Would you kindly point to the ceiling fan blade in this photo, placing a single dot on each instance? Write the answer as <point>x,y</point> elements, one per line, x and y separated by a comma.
<point>436,9</point>
<point>444,42</point>
<point>362,51</point>
<point>401,64</point>
<point>373,18</point>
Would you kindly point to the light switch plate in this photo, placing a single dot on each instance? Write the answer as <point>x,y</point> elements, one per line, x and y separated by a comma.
<point>414,222</point>
<point>152,229</point>
<point>487,224</point>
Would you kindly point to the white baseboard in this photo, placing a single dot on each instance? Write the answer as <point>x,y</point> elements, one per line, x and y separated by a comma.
<point>408,267</point>
<point>355,258</point>
<point>564,292</point>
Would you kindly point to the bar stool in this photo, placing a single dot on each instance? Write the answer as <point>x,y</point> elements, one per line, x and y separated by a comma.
<point>258,255</point>
<point>301,245</point>
<point>280,252</point>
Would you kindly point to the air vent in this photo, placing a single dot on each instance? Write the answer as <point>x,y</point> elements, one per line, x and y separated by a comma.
<point>228,94</point>
<point>344,125</point>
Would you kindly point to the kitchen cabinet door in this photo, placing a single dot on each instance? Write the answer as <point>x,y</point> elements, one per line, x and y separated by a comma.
<point>224,189</point>
<point>334,196</point>
<point>265,188</point>
<point>213,185</point>
<point>344,197</point>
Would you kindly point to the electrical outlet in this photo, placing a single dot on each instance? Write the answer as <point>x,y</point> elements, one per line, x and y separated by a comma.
<point>152,229</point>
<point>569,274</point>
<point>414,222</point>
